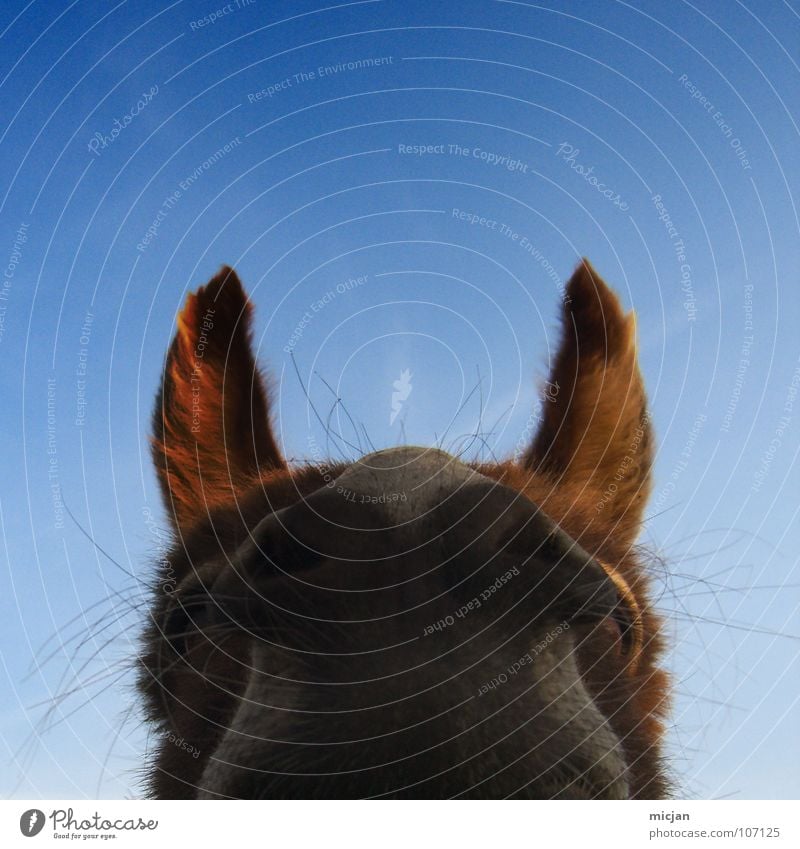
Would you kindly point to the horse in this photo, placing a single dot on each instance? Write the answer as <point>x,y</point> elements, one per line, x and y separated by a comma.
<point>408,624</point>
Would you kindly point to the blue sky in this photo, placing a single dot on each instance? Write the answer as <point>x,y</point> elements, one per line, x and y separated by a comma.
<point>142,147</point>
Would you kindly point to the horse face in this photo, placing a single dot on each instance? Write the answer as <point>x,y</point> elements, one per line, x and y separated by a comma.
<point>407,625</point>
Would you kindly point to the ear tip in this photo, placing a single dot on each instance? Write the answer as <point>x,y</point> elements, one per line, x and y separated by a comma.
<point>582,283</point>
<point>223,299</point>
<point>223,292</point>
<point>587,292</point>
<point>585,279</point>
<point>224,285</point>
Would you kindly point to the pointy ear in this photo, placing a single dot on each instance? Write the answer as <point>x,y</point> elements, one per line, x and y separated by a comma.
<point>595,433</point>
<point>211,430</point>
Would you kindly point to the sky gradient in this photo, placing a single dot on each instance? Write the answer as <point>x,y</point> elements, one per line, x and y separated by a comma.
<point>404,187</point>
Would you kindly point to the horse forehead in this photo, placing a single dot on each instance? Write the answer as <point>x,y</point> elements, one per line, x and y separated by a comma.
<point>407,480</point>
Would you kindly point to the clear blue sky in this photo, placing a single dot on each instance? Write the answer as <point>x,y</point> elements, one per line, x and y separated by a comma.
<point>693,106</point>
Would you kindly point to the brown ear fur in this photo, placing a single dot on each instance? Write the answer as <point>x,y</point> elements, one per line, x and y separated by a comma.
<point>211,430</point>
<point>595,431</point>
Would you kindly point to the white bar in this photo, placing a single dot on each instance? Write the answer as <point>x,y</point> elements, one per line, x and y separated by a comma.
<point>405,825</point>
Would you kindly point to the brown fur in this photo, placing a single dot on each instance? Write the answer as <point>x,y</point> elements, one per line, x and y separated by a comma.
<point>588,469</point>
<point>211,430</point>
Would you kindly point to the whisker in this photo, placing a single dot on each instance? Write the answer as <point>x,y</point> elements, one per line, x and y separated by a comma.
<point>346,412</point>
<point>311,403</point>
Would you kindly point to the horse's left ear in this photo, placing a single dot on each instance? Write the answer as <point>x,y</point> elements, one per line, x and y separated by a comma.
<point>595,436</point>
<point>211,430</point>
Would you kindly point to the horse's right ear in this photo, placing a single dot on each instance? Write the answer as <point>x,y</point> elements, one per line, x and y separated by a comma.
<point>211,430</point>
<point>595,432</point>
